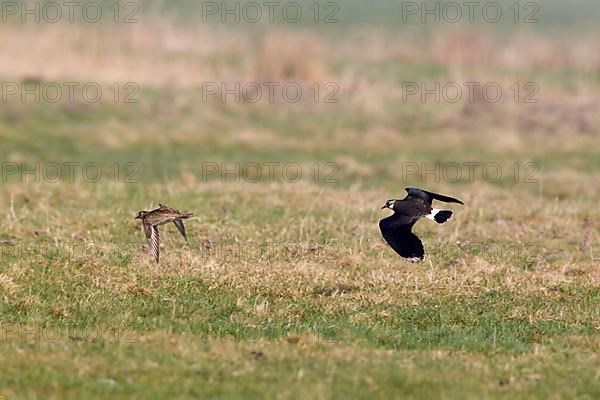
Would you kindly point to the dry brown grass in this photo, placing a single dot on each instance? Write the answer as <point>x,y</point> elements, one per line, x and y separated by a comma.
<point>152,53</point>
<point>291,265</point>
<point>285,56</point>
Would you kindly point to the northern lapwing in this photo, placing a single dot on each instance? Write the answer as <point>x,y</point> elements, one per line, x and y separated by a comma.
<point>159,216</point>
<point>396,229</point>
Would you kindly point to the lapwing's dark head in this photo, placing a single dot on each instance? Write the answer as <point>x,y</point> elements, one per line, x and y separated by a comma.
<point>389,204</point>
<point>141,215</point>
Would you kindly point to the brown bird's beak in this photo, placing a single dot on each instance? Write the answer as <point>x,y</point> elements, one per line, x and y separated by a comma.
<point>137,217</point>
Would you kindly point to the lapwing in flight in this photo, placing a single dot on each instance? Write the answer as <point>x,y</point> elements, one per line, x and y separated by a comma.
<point>396,229</point>
<point>159,216</point>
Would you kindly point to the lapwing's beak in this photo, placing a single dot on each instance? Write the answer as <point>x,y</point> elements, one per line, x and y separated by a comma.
<point>384,206</point>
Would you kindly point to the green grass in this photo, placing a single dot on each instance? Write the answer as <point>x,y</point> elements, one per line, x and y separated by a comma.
<point>87,321</point>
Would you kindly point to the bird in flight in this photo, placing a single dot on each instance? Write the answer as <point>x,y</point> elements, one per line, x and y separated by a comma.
<point>396,229</point>
<point>159,216</point>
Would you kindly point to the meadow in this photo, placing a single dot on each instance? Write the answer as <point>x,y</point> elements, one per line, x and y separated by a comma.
<point>285,288</point>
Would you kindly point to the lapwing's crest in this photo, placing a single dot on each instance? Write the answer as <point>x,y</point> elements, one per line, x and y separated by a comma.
<point>159,216</point>
<point>397,228</point>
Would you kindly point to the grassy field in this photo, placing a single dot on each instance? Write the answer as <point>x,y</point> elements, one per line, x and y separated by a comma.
<point>285,288</point>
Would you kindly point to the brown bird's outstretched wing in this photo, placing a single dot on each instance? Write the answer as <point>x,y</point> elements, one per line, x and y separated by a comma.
<point>174,211</point>
<point>163,215</point>
<point>396,230</point>
<point>179,224</point>
<point>153,237</point>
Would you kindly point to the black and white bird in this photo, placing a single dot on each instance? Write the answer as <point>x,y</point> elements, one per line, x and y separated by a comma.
<point>397,228</point>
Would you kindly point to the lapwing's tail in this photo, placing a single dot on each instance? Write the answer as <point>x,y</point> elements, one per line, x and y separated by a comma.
<point>439,216</point>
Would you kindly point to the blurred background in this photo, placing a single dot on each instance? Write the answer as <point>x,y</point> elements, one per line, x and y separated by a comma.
<point>164,70</point>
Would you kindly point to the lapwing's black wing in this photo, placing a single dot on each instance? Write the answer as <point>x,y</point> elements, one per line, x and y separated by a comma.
<point>445,199</point>
<point>396,230</point>
<point>430,196</point>
<point>179,224</point>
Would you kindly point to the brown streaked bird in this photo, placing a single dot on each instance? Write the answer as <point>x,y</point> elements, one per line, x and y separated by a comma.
<point>159,216</point>
<point>397,228</point>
